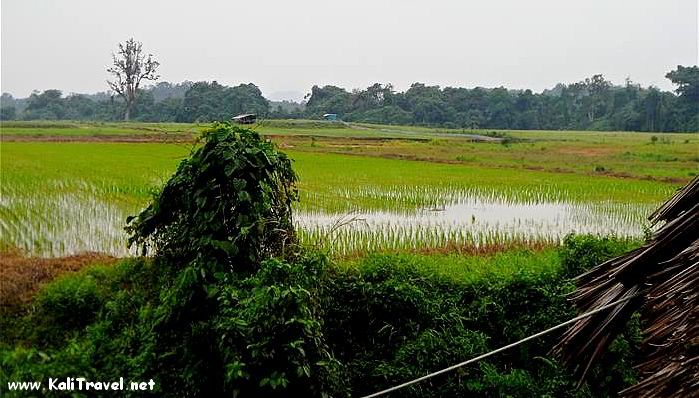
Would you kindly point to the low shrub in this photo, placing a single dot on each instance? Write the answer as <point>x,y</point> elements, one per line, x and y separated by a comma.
<point>71,303</point>
<point>579,253</point>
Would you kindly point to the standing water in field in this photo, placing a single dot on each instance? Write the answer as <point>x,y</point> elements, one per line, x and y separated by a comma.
<point>467,220</point>
<point>343,222</point>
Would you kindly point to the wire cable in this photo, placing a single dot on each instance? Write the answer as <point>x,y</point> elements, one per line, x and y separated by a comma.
<point>516,343</point>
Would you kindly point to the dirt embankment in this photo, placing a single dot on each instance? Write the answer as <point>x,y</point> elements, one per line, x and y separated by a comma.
<point>22,276</point>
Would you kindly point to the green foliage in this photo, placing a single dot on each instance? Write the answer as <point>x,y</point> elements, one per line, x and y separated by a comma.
<point>206,102</point>
<point>591,104</point>
<point>582,252</point>
<point>84,325</point>
<point>228,204</point>
<point>389,320</point>
<point>327,99</point>
<point>7,112</point>
<point>306,328</point>
<point>233,319</point>
<point>72,303</point>
<point>270,329</point>
<point>35,364</point>
<point>687,80</point>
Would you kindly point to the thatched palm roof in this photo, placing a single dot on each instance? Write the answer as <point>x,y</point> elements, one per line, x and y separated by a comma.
<point>662,280</point>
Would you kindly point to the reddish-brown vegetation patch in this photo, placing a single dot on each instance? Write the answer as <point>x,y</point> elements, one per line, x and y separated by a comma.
<point>21,276</point>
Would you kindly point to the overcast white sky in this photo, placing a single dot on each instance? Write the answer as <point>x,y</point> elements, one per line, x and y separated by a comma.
<point>287,46</point>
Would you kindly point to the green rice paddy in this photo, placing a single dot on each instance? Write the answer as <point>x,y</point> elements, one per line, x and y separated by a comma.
<point>66,197</point>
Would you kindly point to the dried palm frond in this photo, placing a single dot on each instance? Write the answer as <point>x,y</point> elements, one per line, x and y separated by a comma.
<point>671,359</point>
<point>662,276</point>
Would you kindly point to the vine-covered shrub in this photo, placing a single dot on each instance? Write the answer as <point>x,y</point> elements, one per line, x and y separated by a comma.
<point>232,316</point>
<point>270,331</point>
<point>228,204</point>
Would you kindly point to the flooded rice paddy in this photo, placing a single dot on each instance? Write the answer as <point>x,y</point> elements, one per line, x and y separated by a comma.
<point>343,221</point>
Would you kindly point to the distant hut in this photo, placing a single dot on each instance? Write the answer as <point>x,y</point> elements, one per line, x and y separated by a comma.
<point>330,116</point>
<point>246,118</point>
<point>662,276</point>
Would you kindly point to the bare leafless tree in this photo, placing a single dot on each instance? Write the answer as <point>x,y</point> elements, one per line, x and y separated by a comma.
<point>131,66</point>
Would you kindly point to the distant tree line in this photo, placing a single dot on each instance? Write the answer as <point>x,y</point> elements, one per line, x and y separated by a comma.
<point>163,102</point>
<point>591,104</point>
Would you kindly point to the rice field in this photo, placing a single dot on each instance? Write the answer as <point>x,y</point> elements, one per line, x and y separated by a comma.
<point>471,222</point>
<point>60,198</point>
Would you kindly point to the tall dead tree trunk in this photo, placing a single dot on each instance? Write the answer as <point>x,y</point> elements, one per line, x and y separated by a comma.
<point>130,67</point>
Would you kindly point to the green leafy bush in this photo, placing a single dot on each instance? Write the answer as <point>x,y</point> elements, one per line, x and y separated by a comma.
<point>579,253</point>
<point>228,204</point>
<point>231,318</point>
<point>270,332</point>
<point>70,302</point>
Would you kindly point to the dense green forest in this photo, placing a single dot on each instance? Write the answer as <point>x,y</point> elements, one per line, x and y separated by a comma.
<point>591,104</point>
